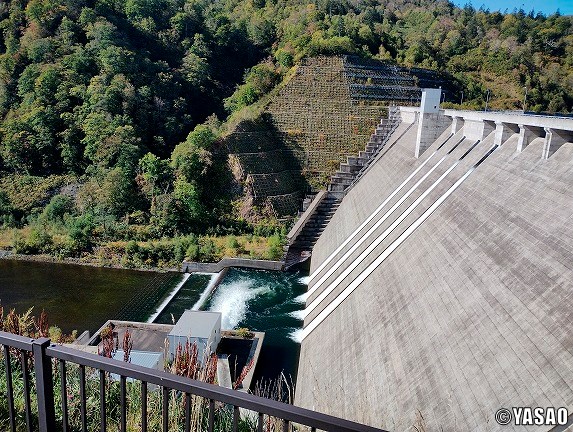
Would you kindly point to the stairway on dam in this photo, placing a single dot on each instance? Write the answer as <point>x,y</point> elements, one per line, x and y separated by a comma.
<point>300,247</point>
<point>316,218</point>
<point>354,166</point>
<point>441,287</point>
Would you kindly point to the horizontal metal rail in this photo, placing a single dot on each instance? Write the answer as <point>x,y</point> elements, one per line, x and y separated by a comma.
<point>43,352</point>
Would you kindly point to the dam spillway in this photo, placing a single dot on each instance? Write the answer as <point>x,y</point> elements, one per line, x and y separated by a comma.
<point>441,288</point>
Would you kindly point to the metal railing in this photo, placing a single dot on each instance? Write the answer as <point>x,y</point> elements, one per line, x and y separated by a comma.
<point>46,356</point>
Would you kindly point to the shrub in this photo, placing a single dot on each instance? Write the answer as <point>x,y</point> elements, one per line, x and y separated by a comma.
<point>244,333</point>
<point>208,252</point>
<point>80,231</point>
<point>57,208</point>
<point>6,210</point>
<point>192,253</point>
<point>275,247</point>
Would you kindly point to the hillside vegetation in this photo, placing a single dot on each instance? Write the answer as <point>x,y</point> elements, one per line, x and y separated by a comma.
<point>111,110</point>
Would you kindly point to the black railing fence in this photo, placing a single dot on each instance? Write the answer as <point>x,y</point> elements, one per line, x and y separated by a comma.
<point>35,400</point>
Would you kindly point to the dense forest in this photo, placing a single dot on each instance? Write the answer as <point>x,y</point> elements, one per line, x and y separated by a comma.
<point>111,110</point>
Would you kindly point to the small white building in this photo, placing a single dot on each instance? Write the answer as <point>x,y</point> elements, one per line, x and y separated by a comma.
<point>200,327</point>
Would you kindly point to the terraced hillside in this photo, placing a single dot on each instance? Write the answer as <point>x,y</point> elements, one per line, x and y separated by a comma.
<point>325,113</point>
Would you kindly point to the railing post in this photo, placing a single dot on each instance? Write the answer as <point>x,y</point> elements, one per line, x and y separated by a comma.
<point>44,385</point>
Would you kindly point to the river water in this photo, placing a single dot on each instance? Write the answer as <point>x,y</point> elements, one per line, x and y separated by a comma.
<point>83,298</point>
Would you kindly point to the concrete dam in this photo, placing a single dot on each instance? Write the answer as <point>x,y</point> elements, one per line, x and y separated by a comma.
<point>441,289</point>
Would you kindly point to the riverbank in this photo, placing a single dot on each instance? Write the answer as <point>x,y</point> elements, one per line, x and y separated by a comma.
<point>87,261</point>
<point>165,254</point>
<point>185,267</point>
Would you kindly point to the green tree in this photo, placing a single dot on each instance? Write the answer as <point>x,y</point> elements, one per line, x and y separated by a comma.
<point>191,158</point>
<point>155,175</point>
<point>57,208</point>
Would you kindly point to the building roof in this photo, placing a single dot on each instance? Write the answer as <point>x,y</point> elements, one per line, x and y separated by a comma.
<point>145,336</point>
<point>140,358</point>
<point>197,324</point>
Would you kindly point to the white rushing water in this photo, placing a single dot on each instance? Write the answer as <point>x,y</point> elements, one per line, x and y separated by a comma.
<point>172,294</point>
<point>231,299</point>
<point>298,314</point>
<point>296,335</point>
<point>205,294</point>
<point>301,298</point>
<point>304,280</point>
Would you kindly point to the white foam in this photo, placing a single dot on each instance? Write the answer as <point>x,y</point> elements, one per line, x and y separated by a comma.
<point>296,335</point>
<point>298,314</point>
<point>301,298</point>
<point>168,299</point>
<point>304,280</point>
<point>232,299</point>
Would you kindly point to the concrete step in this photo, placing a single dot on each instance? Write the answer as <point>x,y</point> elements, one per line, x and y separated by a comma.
<point>314,226</point>
<point>304,245</point>
<point>340,180</point>
<point>324,216</point>
<point>345,167</point>
<point>354,160</point>
<point>365,154</point>
<point>319,221</point>
<point>330,206</point>
<point>338,194</point>
<point>309,238</point>
<point>341,174</point>
<point>337,187</point>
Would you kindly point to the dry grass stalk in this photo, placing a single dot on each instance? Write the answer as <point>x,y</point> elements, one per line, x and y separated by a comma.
<point>42,327</point>
<point>243,374</point>
<point>187,363</point>
<point>109,341</point>
<point>280,389</point>
<point>127,346</point>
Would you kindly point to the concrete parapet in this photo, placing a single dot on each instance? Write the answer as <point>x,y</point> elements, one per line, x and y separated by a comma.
<point>408,115</point>
<point>554,139</point>
<point>503,131</point>
<point>430,127</point>
<point>513,117</point>
<point>526,135</point>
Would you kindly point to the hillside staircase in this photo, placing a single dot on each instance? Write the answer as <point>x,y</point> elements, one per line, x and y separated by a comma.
<point>318,211</point>
<point>355,166</point>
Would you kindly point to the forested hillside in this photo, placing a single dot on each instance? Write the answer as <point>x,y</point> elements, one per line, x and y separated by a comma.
<point>111,110</point>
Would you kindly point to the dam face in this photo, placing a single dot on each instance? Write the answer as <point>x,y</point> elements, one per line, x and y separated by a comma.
<point>441,289</point>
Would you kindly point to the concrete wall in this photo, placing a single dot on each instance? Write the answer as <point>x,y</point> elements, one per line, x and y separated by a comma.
<point>190,266</point>
<point>471,310</point>
<point>430,127</point>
